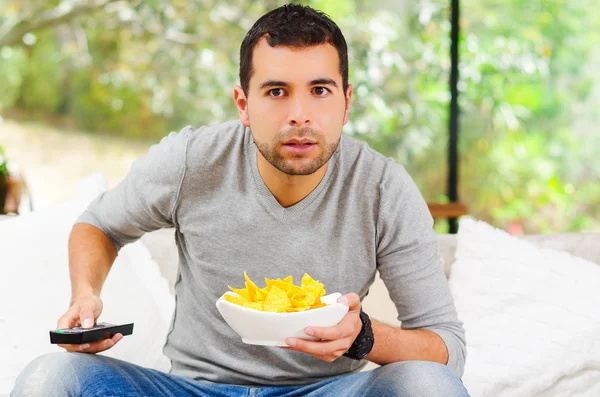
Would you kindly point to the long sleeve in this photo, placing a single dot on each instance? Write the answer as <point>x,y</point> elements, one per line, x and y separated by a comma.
<point>408,260</point>
<point>146,199</point>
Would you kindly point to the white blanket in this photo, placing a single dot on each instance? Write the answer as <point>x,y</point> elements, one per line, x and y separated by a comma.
<point>35,290</point>
<point>531,315</point>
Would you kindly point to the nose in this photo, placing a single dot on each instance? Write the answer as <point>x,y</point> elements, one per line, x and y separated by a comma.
<point>299,114</point>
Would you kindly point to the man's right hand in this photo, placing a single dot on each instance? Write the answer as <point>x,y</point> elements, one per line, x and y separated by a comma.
<point>84,311</point>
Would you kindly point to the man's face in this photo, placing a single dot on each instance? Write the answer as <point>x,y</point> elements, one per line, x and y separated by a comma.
<point>296,105</point>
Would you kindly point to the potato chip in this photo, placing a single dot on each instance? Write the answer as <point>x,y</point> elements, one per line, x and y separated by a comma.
<point>277,300</point>
<point>255,305</point>
<point>294,289</point>
<point>279,283</point>
<point>317,304</point>
<point>239,300</point>
<point>297,309</point>
<point>240,291</point>
<point>279,295</point>
<point>262,293</point>
<point>312,286</point>
<point>252,289</point>
<point>302,299</point>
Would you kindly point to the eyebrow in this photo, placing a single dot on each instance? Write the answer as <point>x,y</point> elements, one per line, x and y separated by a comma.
<point>273,83</point>
<point>324,81</point>
<point>279,83</point>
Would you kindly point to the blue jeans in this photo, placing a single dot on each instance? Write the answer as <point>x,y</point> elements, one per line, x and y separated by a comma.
<point>81,374</point>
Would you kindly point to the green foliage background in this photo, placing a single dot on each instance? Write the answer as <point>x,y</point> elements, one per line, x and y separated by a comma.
<point>529,87</point>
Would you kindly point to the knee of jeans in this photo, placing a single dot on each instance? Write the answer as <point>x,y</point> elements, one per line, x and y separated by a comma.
<point>420,378</point>
<point>49,375</point>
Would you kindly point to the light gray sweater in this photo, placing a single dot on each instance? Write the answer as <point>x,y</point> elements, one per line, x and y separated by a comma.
<point>366,215</point>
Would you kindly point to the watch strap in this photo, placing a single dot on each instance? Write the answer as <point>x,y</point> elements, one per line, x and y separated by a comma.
<point>364,341</point>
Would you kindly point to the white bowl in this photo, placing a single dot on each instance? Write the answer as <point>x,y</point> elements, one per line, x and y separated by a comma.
<point>271,329</point>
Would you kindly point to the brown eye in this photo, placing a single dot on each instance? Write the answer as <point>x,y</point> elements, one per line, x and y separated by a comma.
<point>276,92</point>
<point>321,91</point>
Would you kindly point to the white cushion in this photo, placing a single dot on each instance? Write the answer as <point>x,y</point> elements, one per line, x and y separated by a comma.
<point>531,316</point>
<point>35,289</point>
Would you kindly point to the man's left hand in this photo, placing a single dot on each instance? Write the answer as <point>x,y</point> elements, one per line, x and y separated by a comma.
<point>336,340</point>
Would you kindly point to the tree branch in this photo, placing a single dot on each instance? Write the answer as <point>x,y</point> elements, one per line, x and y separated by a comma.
<point>65,12</point>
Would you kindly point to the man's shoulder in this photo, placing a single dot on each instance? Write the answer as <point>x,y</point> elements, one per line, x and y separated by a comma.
<point>360,158</point>
<point>208,144</point>
<point>217,134</point>
<point>214,145</point>
<point>220,134</point>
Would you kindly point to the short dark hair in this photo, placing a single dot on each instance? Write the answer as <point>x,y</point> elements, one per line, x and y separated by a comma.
<point>293,25</point>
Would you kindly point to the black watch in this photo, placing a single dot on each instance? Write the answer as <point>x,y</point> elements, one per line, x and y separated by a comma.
<point>364,341</point>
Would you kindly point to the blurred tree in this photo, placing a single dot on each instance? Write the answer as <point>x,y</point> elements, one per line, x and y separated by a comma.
<point>530,128</point>
<point>529,86</point>
<point>22,17</point>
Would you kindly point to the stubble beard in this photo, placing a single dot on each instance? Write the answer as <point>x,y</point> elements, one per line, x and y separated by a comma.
<point>296,164</point>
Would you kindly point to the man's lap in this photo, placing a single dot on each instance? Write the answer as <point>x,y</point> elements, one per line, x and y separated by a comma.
<point>81,374</point>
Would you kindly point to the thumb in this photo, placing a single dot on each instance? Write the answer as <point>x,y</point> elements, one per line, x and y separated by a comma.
<point>86,316</point>
<point>352,300</point>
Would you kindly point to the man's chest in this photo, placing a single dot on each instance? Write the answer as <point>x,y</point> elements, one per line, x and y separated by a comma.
<point>222,242</point>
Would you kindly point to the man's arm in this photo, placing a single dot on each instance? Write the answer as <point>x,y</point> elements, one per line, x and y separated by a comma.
<point>144,201</point>
<point>394,344</point>
<point>391,344</point>
<point>91,255</point>
<point>409,264</point>
<point>408,261</point>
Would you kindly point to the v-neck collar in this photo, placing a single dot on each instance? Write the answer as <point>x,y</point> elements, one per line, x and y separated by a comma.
<point>265,195</point>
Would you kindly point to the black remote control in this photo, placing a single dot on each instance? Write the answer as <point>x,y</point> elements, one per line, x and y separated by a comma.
<point>79,335</point>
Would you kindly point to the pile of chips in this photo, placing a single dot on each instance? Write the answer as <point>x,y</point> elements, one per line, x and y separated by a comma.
<point>280,296</point>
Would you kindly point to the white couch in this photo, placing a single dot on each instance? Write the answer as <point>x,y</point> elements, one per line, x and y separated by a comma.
<point>531,314</point>
<point>378,304</point>
<point>161,245</point>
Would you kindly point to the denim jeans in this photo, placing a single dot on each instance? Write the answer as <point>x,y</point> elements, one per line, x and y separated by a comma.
<point>81,374</point>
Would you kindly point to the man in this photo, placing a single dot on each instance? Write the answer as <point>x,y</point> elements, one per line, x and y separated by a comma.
<point>278,192</point>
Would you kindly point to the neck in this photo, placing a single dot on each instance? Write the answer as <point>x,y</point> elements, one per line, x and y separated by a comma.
<point>288,189</point>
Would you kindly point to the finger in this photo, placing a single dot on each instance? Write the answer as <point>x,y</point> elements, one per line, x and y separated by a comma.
<point>117,337</point>
<point>75,348</point>
<point>99,346</point>
<point>103,345</point>
<point>86,315</point>
<point>349,326</point>
<point>94,347</point>
<point>69,319</point>
<point>351,300</point>
<point>344,329</point>
<point>319,349</point>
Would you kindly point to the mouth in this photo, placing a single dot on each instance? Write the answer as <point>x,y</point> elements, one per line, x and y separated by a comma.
<point>299,142</point>
<point>299,146</point>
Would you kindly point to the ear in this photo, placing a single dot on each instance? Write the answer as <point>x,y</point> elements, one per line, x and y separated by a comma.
<point>242,105</point>
<point>348,100</point>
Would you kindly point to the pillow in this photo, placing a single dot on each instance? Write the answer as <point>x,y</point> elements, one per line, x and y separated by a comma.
<point>531,316</point>
<point>35,289</point>
<point>163,250</point>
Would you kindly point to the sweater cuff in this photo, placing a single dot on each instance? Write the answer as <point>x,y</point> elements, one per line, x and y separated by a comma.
<point>456,350</point>
<point>89,218</point>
